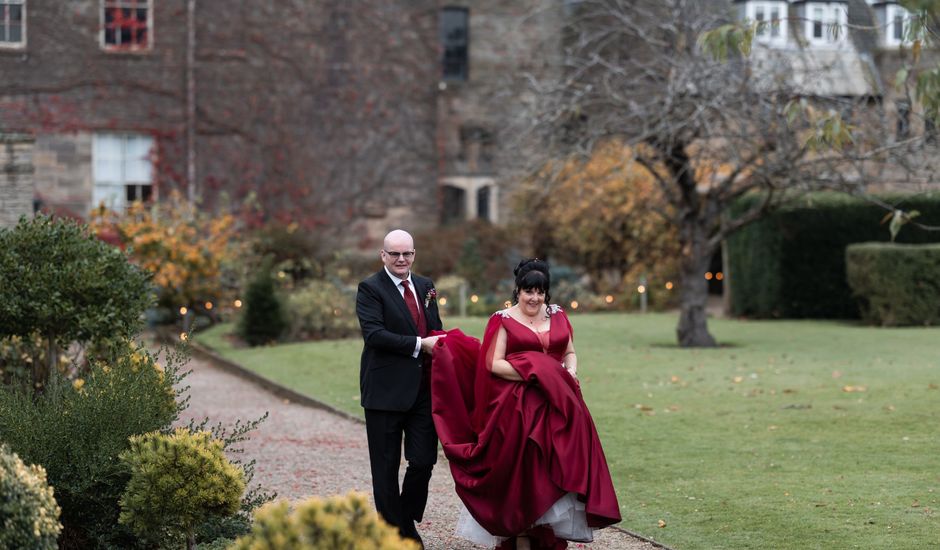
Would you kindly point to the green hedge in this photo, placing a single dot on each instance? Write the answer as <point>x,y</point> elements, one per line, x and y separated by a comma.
<point>791,263</point>
<point>896,284</point>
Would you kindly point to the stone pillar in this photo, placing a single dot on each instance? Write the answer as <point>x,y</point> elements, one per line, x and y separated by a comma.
<point>17,182</point>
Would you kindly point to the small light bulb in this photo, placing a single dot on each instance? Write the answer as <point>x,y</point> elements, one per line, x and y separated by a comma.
<point>208,305</point>
<point>238,303</point>
<point>474,298</point>
<point>184,310</point>
<point>574,304</point>
<point>609,299</point>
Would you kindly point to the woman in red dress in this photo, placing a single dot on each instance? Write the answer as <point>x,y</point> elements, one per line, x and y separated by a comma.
<point>523,450</point>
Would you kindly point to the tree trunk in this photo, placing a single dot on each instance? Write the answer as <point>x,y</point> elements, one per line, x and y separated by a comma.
<point>693,294</point>
<point>190,541</point>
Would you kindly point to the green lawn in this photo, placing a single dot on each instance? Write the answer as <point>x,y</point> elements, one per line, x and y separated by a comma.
<point>796,434</point>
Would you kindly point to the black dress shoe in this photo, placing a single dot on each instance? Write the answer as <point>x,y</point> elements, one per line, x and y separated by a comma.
<point>412,534</point>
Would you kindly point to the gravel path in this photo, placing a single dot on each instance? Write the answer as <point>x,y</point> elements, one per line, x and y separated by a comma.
<point>303,451</point>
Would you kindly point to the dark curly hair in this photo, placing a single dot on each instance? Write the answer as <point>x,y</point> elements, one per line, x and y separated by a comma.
<point>532,274</point>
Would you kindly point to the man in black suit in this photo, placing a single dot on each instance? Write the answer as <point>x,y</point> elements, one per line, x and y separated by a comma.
<point>397,311</point>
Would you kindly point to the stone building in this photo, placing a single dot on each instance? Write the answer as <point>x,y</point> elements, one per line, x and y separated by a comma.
<point>16,178</point>
<point>318,112</point>
<point>356,116</point>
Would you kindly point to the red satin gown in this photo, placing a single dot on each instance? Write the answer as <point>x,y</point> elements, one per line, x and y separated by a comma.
<point>516,448</point>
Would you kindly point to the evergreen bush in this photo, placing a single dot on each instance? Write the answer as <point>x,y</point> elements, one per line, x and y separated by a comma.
<point>61,284</point>
<point>791,263</point>
<point>263,319</point>
<point>896,284</point>
<point>337,523</point>
<point>77,428</point>
<point>29,515</point>
<point>321,309</point>
<point>177,482</point>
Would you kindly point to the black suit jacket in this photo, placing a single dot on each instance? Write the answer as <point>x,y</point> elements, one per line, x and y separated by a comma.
<point>389,377</point>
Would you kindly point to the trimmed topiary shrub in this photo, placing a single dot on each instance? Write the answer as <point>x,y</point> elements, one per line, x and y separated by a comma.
<point>61,284</point>
<point>263,320</point>
<point>791,264</point>
<point>337,523</point>
<point>896,284</point>
<point>29,515</point>
<point>178,482</point>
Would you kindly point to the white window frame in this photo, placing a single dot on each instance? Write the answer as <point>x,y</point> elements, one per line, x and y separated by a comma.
<point>132,4</point>
<point>831,14</point>
<point>4,21</point>
<point>892,13</point>
<point>773,34</point>
<point>110,185</point>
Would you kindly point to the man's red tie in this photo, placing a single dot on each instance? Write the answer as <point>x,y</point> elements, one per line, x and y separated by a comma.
<point>413,308</point>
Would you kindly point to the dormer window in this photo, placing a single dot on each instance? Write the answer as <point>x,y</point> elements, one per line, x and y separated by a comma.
<point>897,22</point>
<point>771,17</point>
<point>826,23</point>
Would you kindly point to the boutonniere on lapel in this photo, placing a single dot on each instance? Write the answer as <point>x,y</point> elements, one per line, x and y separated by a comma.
<point>431,295</point>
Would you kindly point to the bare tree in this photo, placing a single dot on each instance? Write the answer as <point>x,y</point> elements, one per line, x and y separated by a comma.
<point>771,124</point>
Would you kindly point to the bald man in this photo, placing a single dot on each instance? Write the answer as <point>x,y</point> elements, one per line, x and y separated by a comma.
<point>396,313</point>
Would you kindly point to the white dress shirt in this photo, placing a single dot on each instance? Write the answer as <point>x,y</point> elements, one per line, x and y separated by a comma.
<point>401,290</point>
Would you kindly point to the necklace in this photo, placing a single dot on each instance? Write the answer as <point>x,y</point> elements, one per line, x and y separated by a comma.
<point>530,318</point>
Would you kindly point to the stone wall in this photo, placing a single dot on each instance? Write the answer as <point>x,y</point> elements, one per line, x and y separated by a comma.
<point>509,44</point>
<point>16,178</point>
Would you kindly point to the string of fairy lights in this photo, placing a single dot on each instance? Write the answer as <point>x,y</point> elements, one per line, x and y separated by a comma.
<point>609,299</point>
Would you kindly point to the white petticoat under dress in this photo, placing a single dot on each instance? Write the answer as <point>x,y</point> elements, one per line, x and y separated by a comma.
<point>566,518</point>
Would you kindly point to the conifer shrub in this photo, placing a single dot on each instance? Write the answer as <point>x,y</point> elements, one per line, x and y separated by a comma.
<point>177,482</point>
<point>791,263</point>
<point>336,523</point>
<point>896,284</point>
<point>263,319</point>
<point>78,427</point>
<point>29,515</point>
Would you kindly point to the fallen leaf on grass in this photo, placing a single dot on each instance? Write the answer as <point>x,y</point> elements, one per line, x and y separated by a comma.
<point>854,389</point>
<point>789,390</point>
<point>661,524</point>
<point>933,387</point>
<point>738,379</point>
<point>837,374</point>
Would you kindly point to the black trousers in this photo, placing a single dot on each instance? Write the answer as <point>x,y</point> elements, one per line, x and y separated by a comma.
<point>384,429</point>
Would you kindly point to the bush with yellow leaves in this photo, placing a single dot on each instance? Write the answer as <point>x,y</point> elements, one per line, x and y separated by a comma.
<point>336,523</point>
<point>29,515</point>
<point>187,250</point>
<point>178,481</point>
<point>606,214</point>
